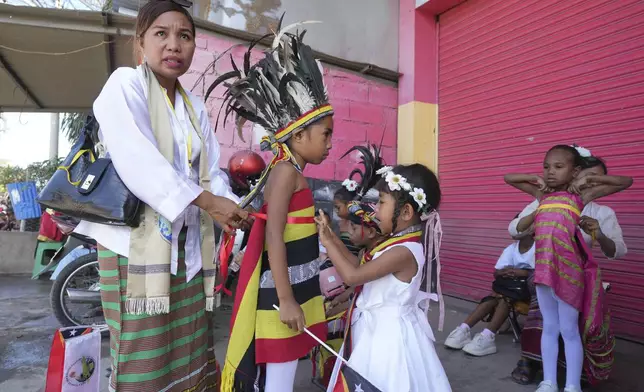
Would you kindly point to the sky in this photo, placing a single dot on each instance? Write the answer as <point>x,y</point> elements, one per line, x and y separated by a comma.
<point>24,138</point>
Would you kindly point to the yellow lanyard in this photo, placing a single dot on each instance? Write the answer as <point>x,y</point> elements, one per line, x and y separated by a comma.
<point>186,102</point>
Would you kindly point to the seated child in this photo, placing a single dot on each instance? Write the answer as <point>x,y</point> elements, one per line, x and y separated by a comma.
<point>516,261</point>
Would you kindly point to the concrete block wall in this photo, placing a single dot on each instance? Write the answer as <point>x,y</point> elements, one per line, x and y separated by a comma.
<point>17,252</point>
<point>365,108</point>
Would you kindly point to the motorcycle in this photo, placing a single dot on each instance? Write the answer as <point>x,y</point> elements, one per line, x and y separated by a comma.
<point>75,295</point>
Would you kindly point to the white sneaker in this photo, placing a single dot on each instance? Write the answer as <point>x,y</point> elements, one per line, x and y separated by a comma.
<point>481,346</point>
<point>547,386</point>
<point>572,389</point>
<point>458,338</point>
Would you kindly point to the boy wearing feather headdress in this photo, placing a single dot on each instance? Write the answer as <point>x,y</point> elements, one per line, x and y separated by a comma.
<point>285,94</point>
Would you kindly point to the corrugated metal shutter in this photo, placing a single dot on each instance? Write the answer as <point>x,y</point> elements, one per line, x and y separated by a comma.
<point>515,78</point>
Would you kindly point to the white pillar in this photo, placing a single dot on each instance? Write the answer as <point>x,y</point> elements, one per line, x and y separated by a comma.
<point>54,131</point>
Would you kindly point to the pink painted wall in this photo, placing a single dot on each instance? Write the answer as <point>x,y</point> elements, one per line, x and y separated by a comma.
<point>364,108</point>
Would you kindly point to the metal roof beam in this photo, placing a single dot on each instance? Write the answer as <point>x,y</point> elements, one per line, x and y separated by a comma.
<point>21,85</point>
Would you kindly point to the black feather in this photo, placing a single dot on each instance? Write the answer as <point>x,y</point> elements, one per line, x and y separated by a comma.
<point>372,162</point>
<point>220,80</point>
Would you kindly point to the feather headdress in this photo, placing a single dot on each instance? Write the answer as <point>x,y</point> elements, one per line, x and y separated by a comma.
<point>363,214</point>
<point>284,92</point>
<point>372,162</point>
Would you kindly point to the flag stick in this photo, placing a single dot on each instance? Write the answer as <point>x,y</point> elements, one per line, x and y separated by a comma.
<point>320,341</point>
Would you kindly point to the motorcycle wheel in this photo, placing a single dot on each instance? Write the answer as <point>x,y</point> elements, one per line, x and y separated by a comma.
<point>82,274</point>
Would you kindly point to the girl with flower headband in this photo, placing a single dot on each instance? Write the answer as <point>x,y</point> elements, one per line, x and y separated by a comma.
<point>567,278</point>
<point>284,93</point>
<point>390,341</point>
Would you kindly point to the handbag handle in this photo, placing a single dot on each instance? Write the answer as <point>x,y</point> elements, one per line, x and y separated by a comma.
<point>77,156</point>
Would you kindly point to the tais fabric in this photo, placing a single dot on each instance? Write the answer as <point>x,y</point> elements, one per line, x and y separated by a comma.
<point>257,334</point>
<point>564,263</point>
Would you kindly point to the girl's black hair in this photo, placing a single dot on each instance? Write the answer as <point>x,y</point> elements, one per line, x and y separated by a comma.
<point>418,176</point>
<point>343,194</point>
<point>577,159</point>
<point>593,161</point>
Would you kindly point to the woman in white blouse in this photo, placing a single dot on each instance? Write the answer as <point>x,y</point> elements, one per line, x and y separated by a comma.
<point>595,217</point>
<point>157,280</point>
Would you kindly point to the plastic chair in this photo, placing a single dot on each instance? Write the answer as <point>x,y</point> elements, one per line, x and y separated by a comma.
<point>44,252</point>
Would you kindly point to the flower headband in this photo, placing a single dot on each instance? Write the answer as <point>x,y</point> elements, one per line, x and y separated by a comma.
<point>396,182</point>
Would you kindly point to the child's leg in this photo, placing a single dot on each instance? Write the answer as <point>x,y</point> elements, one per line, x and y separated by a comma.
<point>569,326</point>
<point>549,307</point>
<point>280,377</point>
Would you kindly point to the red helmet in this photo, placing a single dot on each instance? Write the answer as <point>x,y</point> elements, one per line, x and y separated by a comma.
<point>245,168</point>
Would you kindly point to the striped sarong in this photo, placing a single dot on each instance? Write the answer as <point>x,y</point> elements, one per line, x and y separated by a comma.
<point>171,352</point>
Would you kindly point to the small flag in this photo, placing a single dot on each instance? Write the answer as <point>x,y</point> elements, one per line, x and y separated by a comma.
<point>74,360</point>
<point>350,381</point>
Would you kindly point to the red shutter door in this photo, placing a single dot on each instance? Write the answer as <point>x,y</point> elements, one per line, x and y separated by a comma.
<point>515,78</point>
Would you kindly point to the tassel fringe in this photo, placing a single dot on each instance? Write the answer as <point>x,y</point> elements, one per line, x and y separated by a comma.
<point>151,306</point>
<point>210,304</point>
<point>227,378</point>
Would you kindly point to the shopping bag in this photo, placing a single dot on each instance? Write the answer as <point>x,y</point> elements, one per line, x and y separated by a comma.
<point>74,360</point>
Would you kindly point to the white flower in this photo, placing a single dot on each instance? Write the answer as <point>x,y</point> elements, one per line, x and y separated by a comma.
<point>584,152</point>
<point>419,196</point>
<point>396,182</point>
<point>350,185</point>
<point>384,170</point>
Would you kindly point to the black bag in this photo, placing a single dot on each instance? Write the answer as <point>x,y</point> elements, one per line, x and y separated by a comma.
<point>513,288</point>
<point>90,189</point>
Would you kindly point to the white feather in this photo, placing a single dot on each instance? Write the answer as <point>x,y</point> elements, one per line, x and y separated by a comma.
<point>280,34</point>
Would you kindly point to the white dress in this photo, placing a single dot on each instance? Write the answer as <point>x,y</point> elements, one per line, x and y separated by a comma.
<point>393,343</point>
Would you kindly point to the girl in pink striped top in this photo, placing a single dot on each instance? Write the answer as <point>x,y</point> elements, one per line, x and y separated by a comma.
<point>568,279</point>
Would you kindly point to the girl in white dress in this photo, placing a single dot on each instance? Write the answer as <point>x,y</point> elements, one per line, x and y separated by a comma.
<point>391,341</point>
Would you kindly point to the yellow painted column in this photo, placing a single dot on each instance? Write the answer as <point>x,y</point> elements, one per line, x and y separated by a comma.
<point>418,134</point>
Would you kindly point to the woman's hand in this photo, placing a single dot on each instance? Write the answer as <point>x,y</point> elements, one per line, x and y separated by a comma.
<point>291,314</point>
<point>222,210</point>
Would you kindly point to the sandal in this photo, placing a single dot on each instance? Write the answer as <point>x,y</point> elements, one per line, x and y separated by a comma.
<point>524,373</point>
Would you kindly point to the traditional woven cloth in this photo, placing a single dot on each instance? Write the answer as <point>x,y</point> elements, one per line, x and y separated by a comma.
<point>148,285</point>
<point>172,352</point>
<point>257,334</point>
<point>565,263</point>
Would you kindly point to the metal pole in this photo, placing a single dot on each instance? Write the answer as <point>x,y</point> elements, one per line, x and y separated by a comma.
<point>54,131</point>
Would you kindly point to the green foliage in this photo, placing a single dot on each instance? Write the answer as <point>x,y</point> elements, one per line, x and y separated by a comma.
<point>72,125</point>
<point>39,172</point>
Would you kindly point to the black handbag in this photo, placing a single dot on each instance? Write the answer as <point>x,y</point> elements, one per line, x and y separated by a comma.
<point>513,288</point>
<point>90,189</point>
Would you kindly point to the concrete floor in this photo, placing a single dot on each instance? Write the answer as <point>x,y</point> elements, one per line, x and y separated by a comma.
<point>27,325</point>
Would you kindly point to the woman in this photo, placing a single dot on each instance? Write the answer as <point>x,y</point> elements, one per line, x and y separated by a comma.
<point>595,218</point>
<point>157,280</point>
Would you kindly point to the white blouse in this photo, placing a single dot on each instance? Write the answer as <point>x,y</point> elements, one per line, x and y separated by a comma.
<point>604,215</point>
<point>126,132</point>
